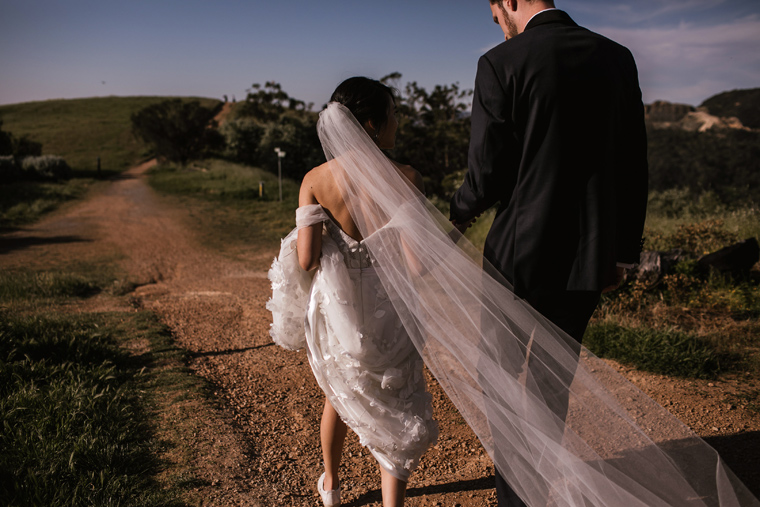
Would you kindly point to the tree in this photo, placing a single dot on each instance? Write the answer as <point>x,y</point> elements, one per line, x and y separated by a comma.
<point>725,162</point>
<point>267,103</point>
<point>18,146</point>
<point>177,130</point>
<point>268,119</point>
<point>434,130</point>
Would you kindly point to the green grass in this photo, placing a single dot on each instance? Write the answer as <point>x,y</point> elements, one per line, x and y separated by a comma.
<point>81,130</point>
<point>226,203</point>
<point>690,323</point>
<point>75,431</point>
<point>78,413</point>
<point>666,352</point>
<point>25,202</point>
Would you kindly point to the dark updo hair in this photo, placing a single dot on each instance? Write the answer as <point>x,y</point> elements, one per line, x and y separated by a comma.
<point>367,99</point>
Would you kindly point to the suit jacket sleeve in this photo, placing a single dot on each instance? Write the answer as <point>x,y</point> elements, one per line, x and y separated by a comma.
<point>493,152</point>
<point>632,185</point>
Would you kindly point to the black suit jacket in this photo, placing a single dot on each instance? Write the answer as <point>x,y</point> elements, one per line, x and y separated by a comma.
<point>558,139</point>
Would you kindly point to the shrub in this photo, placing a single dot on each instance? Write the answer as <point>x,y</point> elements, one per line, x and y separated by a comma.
<point>9,169</point>
<point>178,131</point>
<point>17,146</point>
<point>243,137</point>
<point>681,203</point>
<point>45,167</point>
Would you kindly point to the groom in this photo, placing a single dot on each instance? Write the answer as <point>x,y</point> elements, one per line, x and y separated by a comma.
<point>558,141</point>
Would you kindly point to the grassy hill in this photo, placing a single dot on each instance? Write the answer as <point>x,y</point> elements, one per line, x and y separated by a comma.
<point>81,130</point>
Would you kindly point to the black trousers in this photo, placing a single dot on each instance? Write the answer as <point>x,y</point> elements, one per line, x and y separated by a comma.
<point>570,311</point>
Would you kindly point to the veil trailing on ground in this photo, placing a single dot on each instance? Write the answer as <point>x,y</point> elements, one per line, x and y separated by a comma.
<point>562,427</point>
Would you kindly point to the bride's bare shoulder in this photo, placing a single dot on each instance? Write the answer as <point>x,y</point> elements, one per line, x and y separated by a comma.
<point>412,174</point>
<point>310,186</point>
<point>316,185</point>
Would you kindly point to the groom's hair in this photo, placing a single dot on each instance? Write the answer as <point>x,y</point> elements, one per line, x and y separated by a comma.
<point>366,98</point>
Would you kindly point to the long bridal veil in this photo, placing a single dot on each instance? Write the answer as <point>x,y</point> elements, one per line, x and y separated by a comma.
<point>562,427</point>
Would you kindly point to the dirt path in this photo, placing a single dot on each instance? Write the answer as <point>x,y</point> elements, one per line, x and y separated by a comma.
<point>259,445</point>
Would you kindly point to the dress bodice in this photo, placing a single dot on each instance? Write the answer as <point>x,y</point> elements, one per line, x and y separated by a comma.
<point>354,252</point>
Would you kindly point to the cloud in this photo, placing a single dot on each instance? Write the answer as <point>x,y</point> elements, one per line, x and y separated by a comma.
<point>688,63</point>
<point>630,13</point>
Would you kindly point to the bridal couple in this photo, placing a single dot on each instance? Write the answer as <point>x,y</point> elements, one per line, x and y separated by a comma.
<point>375,283</point>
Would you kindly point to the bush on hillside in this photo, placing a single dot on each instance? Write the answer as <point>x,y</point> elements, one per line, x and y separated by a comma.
<point>9,169</point>
<point>268,119</point>
<point>45,167</point>
<point>17,146</point>
<point>41,168</point>
<point>243,137</point>
<point>682,202</point>
<point>178,131</point>
<point>725,162</point>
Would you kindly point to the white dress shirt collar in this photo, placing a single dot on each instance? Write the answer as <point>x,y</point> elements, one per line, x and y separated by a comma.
<point>539,12</point>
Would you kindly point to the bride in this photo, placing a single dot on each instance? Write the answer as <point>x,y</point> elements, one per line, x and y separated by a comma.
<point>358,349</point>
<point>375,278</point>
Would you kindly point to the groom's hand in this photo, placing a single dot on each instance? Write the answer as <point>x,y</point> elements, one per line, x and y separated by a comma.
<point>462,226</point>
<point>620,275</point>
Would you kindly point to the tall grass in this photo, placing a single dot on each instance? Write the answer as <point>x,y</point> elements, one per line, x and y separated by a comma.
<point>77,411</point>
<point>24,202</point>
<point>74,431</point>
<point>666,352</point>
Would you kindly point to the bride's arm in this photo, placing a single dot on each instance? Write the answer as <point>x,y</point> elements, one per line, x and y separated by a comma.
<point>309,242</point>
<point>415,179</point>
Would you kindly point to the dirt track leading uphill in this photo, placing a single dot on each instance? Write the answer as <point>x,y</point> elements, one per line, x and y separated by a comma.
<point>259,445</point>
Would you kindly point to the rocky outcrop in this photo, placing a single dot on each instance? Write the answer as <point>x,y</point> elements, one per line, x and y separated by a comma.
<point>701,121</point>
<point>661,111</point>
<point>662,114</point>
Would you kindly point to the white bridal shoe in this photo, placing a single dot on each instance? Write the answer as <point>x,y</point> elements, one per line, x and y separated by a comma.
<point>329,498</point>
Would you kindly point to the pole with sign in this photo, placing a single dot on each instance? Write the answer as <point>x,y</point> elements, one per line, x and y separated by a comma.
<point>280,154</point>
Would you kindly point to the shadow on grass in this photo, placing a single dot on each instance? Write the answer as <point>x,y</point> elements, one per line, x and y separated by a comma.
<point>20,243</point>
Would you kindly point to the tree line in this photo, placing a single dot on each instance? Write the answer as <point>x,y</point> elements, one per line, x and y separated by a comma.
<point>433,136</point>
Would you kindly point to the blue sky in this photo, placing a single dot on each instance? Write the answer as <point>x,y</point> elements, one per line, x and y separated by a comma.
<point>687,50</point>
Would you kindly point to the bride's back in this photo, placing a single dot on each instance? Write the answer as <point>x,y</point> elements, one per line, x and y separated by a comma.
<point>319,187</point>
<point>320,183</point>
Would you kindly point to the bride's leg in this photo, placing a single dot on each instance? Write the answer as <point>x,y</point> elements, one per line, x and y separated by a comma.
<point>333,434</point>
<point>394,490</point>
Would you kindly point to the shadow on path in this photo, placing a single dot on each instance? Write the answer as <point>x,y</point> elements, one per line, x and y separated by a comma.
<point>10,244</point>
<point>215,353</point>
<point>470,485</point>
<point>741,452</point>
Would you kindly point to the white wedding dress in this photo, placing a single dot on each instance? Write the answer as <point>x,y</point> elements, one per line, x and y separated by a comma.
<point>602,442</point>
<point>358,349</point>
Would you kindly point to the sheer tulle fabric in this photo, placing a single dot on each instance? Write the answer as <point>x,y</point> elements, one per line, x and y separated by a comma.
<point>562,427</point>
<point>357,347</point>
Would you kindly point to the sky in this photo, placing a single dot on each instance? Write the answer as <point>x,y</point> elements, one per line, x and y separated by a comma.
<point>686,50</point>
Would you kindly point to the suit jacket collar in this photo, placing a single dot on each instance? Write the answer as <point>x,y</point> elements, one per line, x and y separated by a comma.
<point>552,16</point>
